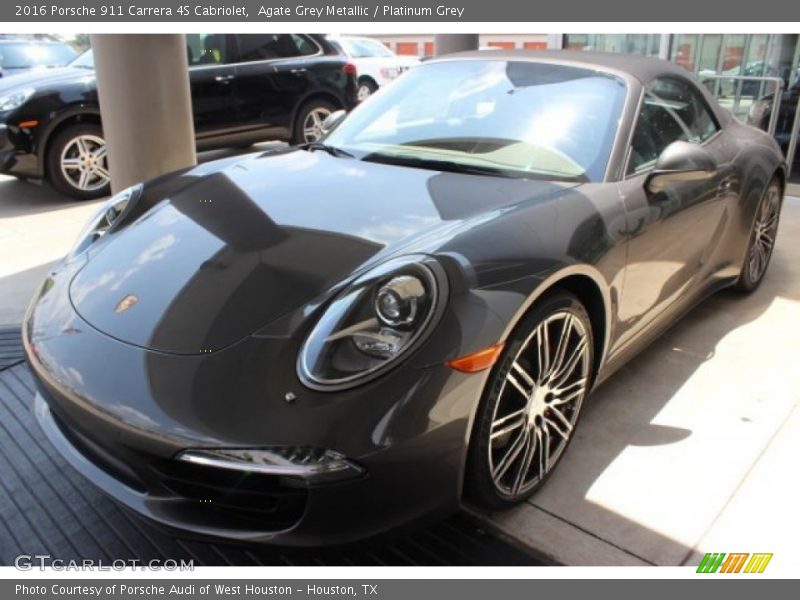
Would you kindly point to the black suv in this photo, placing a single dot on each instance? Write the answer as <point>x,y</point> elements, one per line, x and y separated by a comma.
<point>245,89</point>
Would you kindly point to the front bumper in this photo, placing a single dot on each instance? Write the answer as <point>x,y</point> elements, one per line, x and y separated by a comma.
<point>16,152</point>
<point>6,150</point>
<point>121,414</point>
<point>188,499</point>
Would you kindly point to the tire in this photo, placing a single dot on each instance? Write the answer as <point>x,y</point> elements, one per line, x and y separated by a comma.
<point>322,108</point>
<point>492,478</point>
<point>83,145</point>
<point>366,87</point>
<point>761,242</point>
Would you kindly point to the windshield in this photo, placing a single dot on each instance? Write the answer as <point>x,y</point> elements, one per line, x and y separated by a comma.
<point>520,119</point>
<point>357,48</point>
<point>27,55</point>
<point>85,60</point>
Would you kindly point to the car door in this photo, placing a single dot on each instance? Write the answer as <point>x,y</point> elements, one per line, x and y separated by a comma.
<point>272,77</point>
<point>674,235</point>
<point>212,75</point>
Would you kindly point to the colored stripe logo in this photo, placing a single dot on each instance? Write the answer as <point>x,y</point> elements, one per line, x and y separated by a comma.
<point>737,562</point>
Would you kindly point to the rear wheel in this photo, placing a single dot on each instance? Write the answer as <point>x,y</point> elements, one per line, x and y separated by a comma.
<point>762,239</point>
<point>77,162</point>
<point>531,404</point>
<point>366,87</point>
<point>308,125</point>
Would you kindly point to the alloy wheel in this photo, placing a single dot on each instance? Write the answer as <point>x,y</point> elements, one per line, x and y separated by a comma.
<point>84,163</point>
<point>312,126</point>
<point>538,403</point>
<point>765,230</point>
<point>364,92</point>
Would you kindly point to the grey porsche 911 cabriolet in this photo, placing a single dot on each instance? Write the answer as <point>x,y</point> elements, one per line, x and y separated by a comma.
<point>316,344</point>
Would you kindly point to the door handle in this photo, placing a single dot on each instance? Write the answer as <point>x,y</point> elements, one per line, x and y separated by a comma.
<point>223,78</point>
<point>298,71</point>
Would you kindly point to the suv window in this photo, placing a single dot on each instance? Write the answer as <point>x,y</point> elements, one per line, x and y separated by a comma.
<point>25,55</point>
<point>272,46</point>
<point>206,49</point>
<point>672,110</point>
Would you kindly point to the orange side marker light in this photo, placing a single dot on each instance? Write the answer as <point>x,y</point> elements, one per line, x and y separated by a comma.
<point>477,361</point>
<point>28,124</point>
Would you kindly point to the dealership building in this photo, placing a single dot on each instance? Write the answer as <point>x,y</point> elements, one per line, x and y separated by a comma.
<point>750,54</point>
<point>738,68</point>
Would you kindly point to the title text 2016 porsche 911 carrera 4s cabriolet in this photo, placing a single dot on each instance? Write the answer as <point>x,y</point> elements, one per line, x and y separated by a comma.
<point>320,343</point>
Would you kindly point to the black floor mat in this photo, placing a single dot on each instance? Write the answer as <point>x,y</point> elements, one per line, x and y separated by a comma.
<point>10,348</point>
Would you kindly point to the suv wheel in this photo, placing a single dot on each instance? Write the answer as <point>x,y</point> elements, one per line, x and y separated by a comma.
<point>77,162</point>
<point>366,87</point>
<point>308,125</point>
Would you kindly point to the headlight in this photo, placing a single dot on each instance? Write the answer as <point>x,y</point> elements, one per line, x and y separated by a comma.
<point>379,318</point>
<point>104,219</point>
<point>15,100</point>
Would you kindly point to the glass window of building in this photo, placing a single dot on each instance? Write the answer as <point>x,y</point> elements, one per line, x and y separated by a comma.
<point>646,44</point>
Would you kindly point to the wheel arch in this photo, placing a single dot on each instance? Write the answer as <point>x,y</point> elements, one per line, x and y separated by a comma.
<point>780,175</point>
<point>588,285</point>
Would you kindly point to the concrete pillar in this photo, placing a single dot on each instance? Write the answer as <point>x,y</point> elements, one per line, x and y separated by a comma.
<point>145,103</point>
<point>663,46</point>
<point>447,43</point>
<point>555,41</point>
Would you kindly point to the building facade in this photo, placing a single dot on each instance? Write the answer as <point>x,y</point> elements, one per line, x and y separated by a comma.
<point>424,45</point>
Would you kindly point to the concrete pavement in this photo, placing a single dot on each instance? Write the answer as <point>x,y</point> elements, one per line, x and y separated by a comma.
<point>38,226</point>
<point>690,448</point>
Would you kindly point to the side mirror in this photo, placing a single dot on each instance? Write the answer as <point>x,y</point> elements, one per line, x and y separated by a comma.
<point>680,161</point>
<point>332,121</point>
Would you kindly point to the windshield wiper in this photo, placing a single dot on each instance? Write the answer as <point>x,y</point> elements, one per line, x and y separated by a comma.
<point>437,164</point>
<point>332,150</point>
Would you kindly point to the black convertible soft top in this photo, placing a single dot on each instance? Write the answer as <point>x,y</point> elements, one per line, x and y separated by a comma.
<point>640,67</point>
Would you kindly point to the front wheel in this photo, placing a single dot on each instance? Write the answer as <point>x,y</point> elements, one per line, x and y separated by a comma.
<point>762,239</point>
<point>77,162</point>
<point>531,404</point>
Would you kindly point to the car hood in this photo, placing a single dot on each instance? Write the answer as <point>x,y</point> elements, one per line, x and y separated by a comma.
<point>38,78</point>
<point>231,246</point>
